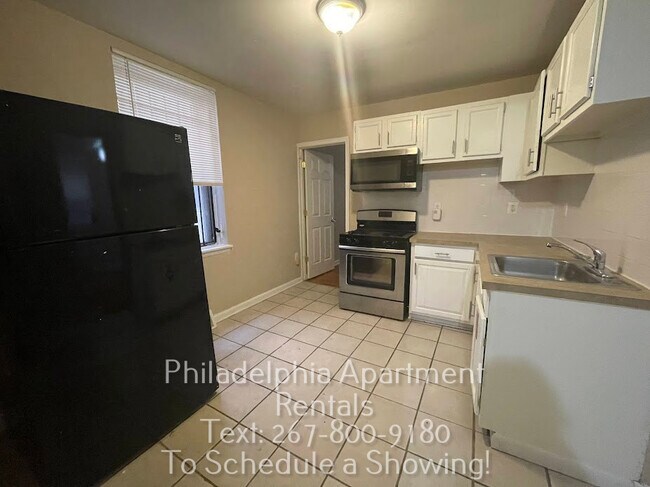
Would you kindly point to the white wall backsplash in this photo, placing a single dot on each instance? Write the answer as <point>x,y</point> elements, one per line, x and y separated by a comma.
<point>473,201</point>
<point>612,208</point>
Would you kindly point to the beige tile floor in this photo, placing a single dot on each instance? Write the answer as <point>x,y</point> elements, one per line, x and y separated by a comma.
<point>267,354</point>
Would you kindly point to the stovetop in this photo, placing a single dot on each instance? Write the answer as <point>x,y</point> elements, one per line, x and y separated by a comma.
<point>388,229</point>
<point>373,238</point>
<point>381,233</point>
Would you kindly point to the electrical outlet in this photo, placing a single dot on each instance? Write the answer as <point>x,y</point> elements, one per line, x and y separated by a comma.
<point>513,207</point>
<point>436,214</point>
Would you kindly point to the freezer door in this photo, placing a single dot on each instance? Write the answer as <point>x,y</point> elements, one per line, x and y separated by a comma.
<point>69,172</point>
<point>92,326</point>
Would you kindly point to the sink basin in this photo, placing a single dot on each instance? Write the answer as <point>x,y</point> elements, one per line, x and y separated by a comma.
<point>550,270</point>
<point>540,268</point>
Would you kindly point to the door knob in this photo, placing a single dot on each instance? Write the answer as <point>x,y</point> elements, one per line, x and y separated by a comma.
<point>332,220</point>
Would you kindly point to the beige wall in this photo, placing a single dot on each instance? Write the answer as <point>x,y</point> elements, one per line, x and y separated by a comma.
<point>45,53</point>
<point>339,123</point>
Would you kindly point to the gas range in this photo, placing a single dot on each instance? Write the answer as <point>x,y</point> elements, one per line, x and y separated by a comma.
<point>373,274</point>
<point>390,229</point>
<point>376,239</point>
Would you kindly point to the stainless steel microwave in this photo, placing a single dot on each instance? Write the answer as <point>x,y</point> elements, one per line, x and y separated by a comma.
<point>397,169</point>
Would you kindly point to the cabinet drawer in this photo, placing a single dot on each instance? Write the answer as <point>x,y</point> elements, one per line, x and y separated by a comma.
<point>457,254</point>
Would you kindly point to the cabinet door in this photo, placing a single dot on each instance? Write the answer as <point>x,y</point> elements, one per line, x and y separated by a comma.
<point>439,134</point>
<point>530,157</point>
<point>442,289</point>
<point>581,55</point>
<point>483,129</point>
<point>554,72</point>
<point>401,130</point>
<point>367,135</point>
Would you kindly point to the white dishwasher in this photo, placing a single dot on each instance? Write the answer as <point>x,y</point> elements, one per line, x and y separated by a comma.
<point>478,351</point>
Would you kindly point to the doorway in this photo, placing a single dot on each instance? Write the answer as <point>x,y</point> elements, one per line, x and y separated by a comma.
<point>323,203</point>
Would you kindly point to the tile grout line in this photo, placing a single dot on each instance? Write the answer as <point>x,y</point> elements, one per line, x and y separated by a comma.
<point>349,356</point>
<point>372,391</point>
<point>417,412</point>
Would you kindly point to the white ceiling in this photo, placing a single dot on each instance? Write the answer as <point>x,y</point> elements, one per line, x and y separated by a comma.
<point>278,51</point>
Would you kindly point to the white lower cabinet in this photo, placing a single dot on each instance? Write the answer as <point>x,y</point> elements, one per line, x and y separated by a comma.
<point>568,365</point>
<point>442,289</point>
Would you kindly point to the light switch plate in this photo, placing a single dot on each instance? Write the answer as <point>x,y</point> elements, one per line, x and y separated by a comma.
<point>436,214</point>
<point>513,207</point>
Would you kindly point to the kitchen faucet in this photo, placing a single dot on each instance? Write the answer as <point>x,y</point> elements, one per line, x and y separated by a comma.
<point>596,263</point>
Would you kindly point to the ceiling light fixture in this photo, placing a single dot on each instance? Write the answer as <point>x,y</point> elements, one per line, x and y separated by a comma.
<point>340,16</point>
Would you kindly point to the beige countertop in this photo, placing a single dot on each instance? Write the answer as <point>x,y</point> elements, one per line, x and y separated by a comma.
<point>638,297</point>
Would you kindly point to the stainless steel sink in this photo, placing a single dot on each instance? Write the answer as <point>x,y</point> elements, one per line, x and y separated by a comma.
<point>548,269</point>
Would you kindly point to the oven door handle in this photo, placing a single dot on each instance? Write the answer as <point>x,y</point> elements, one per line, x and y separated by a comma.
<point>371,249</point>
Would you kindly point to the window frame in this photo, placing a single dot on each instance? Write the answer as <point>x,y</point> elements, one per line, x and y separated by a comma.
<point>215,219</point>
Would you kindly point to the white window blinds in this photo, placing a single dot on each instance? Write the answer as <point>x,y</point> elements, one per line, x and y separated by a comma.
<point>149,93</point>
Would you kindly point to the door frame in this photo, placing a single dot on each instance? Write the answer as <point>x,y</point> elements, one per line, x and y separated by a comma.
<point>302,224</point>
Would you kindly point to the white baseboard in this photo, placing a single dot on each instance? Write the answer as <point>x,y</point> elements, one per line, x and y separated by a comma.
<point>568,466</point>
<point>222,315</point>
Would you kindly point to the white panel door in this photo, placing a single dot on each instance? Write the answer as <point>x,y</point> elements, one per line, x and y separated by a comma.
<point>319,197</point>
<point>442,289</point>
<point>483,126</point>
<point>401,130</point>
<point>581,56</point>
<point>367,135</point>
<point>553,95</point>
<point>439,134</point>
<point>532,135</point>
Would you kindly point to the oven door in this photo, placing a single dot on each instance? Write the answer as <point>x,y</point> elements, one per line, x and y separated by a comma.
<point>378,273</point>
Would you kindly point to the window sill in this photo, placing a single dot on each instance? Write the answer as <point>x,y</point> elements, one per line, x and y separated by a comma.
<point>215,249</point>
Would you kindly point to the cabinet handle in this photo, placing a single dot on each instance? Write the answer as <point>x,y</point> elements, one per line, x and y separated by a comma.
<point>558,105</point>
<point>466,145</point>
<point>388,142</point>
<point>453,147</point>
<point>378,139</point>
<point>531,160</point>
<point>553,105</point>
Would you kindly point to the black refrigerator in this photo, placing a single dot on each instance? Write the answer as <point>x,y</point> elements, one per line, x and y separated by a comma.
<point>103,290</point>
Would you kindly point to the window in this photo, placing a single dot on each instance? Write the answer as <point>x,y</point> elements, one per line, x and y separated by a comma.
<point>147,92</point>
<point>209,214</point>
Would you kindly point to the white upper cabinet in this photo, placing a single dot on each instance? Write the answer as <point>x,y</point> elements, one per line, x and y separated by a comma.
<point>463,132</point>
<point>582,45</point>
<point>512,147</point>
<point>401,130</point>
<point>599,77</point>
<point>439,134</point>
<point>368,135</point>
<point>554,74</point>
<point>532,132</point>
<point>386,132</point>
<point>482,128</point>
